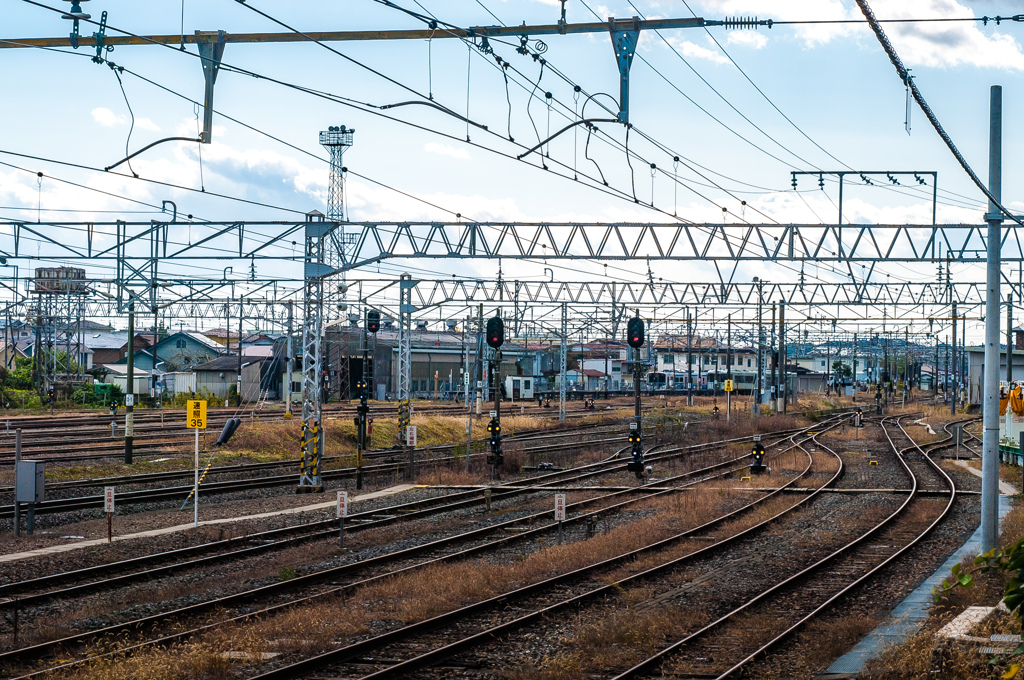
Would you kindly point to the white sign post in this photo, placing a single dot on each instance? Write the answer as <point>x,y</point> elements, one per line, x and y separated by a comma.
<point>342,514</point>
<point>108,507</point>
<point>410,435</point>
<point>559,513</point>
<point>195,417</point>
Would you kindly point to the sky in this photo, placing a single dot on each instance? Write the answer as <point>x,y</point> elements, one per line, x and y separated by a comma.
<point>740,108</point>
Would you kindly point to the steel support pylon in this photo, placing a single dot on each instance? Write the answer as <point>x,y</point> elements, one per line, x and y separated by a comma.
<point>315,270</point>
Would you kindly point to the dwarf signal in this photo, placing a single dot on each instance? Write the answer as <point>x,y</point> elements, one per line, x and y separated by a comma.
<point>758,466</point>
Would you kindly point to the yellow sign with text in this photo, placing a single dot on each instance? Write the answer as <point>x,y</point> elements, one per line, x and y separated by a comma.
<point>728,386</point>
<point>195,414</point>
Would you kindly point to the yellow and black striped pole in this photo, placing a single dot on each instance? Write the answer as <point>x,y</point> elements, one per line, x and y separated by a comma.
<point>193,491</point>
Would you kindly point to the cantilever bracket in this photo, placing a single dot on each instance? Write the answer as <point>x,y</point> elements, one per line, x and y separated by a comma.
<point>625,35</point>
<point>211,50</point>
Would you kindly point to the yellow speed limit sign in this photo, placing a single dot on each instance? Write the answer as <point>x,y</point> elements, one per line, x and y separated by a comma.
<point>728,386</point>
<point>196,414</point>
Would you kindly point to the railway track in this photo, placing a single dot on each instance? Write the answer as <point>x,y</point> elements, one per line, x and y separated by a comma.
<point>723,647</point>
<point>159,494</point>
<point>148,477</point>
<point>280,537</point>
<point>400,653</point>
<point>89,438</point>
<point>473,497</point>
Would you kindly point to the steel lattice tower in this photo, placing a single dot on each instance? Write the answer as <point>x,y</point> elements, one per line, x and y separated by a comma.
<point>338,251</point>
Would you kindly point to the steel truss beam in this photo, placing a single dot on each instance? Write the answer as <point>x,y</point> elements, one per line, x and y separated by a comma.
<point>507,293</point>
<point>378,241</point>
<point>681,242</point>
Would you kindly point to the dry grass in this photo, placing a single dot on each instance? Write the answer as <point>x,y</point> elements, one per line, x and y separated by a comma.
<point>919,657</point>
<point>618,639</point>
<point>411,597</point>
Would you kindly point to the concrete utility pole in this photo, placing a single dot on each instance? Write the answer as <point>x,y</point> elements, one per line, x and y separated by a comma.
<point>774,379</point>
<point>854,362</point>
<point>728,368</point>
<point>563,358</point>
<point>782,357</point>
<point>238,395</point>
<point>286,383</point>
<point>129,416</point>
<point>755,402</point>
<point>990,393</point>
<point>1009,340</point>
<point>952,388</point>
<point>689,359</point>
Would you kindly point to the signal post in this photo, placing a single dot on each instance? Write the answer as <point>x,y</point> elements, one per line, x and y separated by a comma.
<point>495,339</point>
<point>363,388</point>
<point>635,339</point>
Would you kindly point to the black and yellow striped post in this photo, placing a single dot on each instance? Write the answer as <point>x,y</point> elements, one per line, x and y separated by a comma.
<point>192,493</point>
<point>309,466</point>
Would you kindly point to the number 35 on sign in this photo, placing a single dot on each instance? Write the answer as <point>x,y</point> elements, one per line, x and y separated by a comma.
<point>196,414</point>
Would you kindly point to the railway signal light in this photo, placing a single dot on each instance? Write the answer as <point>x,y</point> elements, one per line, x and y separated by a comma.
<point>373,320</point>
<point>635,332</point>
<point>636,463</point>
<point>495,332</point>
<point>758,466</point>
<point>495,457</point>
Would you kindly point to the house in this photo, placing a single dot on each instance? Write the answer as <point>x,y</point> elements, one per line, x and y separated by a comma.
<point>703,362</point>
<point>117,374</point>
<point>80,353</point>
<point>179,351</point>
<point>8,353</point>
<point>976,370</point>
<point>218,377</point>
<point>111,347</point>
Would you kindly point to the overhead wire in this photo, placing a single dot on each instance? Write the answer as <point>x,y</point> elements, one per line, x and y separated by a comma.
<point>616,192</point>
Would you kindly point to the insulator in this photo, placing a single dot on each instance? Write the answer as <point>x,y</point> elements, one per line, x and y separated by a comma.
<point>740,22</point>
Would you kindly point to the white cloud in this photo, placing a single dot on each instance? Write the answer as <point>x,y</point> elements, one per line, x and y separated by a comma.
<point>695,51</point>
<point>104,117</point>
<point>446,150</point>
<point>747,39</point>
<point>108,118</point>
<point>942,45</point>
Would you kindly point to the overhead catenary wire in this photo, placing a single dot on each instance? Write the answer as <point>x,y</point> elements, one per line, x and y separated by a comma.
<point>904,75</point>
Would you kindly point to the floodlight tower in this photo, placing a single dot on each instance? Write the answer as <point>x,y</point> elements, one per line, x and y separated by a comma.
<point>339,250</point>
<point>324,257</point>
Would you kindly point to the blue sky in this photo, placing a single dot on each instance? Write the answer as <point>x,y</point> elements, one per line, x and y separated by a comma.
<point>833,82</point>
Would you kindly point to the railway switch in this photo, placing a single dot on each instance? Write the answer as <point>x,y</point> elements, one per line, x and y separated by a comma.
<point>757,467</point>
